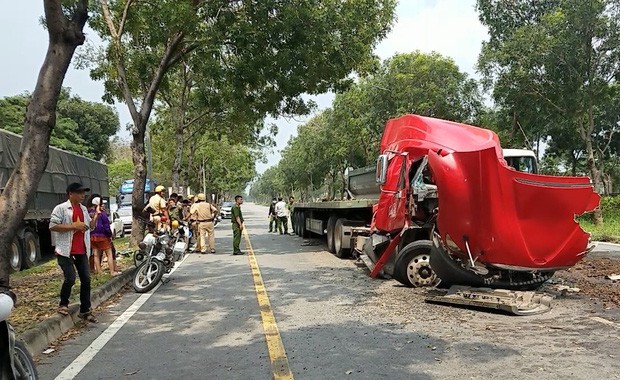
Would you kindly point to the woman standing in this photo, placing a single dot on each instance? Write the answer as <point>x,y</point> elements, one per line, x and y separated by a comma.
<point>101,236</point>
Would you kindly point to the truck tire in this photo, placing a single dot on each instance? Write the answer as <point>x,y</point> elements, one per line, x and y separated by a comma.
<point>15,255</point>
<point>31,249</point>
<point>298,222</point>
<point>331,225</point>
<point>338,236</point>
<point>412,268</point>
<point>304,232</point>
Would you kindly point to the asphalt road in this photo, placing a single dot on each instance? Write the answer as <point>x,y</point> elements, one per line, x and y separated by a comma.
<point>334,323</point>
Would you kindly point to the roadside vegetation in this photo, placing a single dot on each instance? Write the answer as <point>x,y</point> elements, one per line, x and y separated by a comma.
<point>609,231</point>
<point>38,289</point>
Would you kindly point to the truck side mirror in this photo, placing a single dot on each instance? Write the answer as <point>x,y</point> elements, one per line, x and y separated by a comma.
<point>382,165</point>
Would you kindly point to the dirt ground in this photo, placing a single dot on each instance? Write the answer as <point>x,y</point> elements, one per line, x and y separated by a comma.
<point>589,276</point>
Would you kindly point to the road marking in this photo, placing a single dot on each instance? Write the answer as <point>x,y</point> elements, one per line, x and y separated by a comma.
<point>605,321</point>
<point>277,354</point>
<point>89,353</point>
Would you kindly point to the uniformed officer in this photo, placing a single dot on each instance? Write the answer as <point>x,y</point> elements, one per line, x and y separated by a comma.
<point>159,206</point>
<point>204,213</point>
<point>237,224</point>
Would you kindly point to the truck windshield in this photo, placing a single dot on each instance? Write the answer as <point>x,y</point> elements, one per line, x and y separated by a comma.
<point>525,164</point>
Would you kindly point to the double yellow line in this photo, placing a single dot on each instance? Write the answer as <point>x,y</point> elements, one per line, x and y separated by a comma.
<point>275,347</point>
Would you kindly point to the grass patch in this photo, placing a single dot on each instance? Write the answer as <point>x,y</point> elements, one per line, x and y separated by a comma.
<point>609,231</point>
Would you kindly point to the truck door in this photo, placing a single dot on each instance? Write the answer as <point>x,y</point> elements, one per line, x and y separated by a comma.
<point>392,208</point>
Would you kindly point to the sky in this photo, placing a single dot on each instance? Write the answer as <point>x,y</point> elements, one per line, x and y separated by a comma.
<point>449,27</point>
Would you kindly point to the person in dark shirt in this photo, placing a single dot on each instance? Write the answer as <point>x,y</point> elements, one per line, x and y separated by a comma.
<point>272,216</point>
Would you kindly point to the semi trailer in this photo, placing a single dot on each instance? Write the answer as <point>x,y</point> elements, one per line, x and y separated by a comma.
<point>445,203</point>
<point>63,168</point>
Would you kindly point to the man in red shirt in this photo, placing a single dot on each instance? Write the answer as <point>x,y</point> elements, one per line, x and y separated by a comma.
<point>70,224</point>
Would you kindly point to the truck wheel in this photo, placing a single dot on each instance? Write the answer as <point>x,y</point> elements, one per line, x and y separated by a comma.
<point>15,255</point>
<point>338,235</point>
<point>413,268</point>
<point>304,232</point>
<point>298,221</point>
<point>32,250</point>
<point>449,271</point>
<point>331,225</point>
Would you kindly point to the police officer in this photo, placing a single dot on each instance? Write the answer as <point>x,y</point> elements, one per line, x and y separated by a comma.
<point>237,224</point>
<point>159,207</point>
<point>204,213</point>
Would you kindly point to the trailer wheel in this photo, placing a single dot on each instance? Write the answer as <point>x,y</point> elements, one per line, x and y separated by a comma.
<point>32,250</point>
<point>304,231</point>
<point>338,234</point>
<point>412,268</point>
<point>15,255</point>
<point>331,226</point>
<point>298,222</point>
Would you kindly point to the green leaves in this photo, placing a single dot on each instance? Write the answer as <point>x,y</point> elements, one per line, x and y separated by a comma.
<point>553,65</point>
<point>348,134</point>
<point>81,127</point>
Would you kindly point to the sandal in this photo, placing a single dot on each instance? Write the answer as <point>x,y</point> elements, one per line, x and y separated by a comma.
<point>89,317</point>
<point>64,310</point>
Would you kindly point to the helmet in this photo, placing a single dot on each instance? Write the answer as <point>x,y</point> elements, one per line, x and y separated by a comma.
<point>201,197</point>
<point>175,224</point>
<point>159,189</point>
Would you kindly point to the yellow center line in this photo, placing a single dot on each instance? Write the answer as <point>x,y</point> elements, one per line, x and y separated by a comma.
<point>277,354</point>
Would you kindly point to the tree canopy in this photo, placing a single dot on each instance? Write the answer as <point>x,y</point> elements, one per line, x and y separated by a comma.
<point>349,133</point>
<point>82,127</point>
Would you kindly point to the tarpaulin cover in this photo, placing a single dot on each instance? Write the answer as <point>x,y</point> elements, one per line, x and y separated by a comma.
<point>62,168</point>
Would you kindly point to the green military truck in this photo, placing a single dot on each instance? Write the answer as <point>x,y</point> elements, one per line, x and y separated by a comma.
<point>33,236</point>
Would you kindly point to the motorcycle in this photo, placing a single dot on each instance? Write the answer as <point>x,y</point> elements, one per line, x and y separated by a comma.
<point>157,253</point>
<point>15,360</point>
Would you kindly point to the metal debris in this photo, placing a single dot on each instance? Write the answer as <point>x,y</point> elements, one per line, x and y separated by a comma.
<point>514,302</point>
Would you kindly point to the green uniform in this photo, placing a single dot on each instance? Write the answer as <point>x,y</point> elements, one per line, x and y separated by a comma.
<point>236,212</point>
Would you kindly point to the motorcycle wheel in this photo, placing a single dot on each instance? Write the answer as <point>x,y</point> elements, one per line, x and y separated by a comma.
<point>23,362</point>
<point>148,275</point>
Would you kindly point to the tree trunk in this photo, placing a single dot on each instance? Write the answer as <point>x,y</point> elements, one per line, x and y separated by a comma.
<point>178,154</point>
<point>139,176</point>
<point>64,37</point>
<point>595,173</point>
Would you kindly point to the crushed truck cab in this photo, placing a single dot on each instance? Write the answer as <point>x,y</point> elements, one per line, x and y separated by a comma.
<point>494,226</point>
<point>446,203</point>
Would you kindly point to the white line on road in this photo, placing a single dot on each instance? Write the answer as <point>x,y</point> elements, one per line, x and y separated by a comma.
<point>89,353</point>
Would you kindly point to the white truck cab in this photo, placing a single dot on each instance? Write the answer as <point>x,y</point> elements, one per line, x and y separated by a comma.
<point>522,160</point>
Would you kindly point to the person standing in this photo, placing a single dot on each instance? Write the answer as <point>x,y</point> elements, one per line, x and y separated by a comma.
<point>281,214</point>
<point>237,224</point>
<point>291,209</point>
<point>273,218</point>
<point>101,235</point>
<point>70,225</point>
<point>204,213</point>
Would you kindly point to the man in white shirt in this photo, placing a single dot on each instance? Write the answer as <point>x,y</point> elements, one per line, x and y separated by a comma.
<point>281,213</point>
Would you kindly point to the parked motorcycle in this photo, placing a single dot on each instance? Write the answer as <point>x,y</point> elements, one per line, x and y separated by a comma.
<point>157,254</point>
<point>15,360</point>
